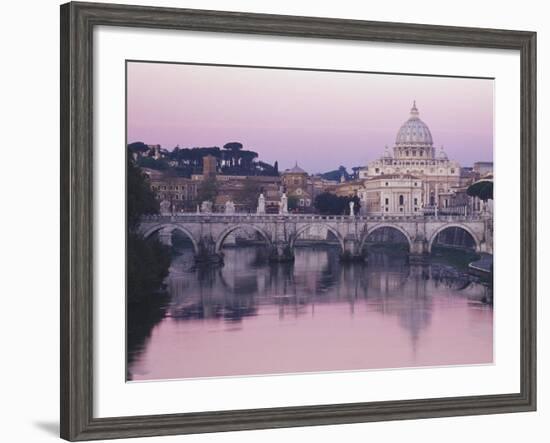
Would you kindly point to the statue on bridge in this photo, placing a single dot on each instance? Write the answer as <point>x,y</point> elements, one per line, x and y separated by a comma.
<point>206,207</point>
<point>165,207</point>
<point>283,206</point>
<point>261,205</point>
<point>229,207</point>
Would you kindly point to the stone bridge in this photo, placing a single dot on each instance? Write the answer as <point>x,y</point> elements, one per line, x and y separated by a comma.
<point>208,232</point>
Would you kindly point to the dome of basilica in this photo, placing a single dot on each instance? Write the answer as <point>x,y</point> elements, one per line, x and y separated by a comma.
<point>414,132</point>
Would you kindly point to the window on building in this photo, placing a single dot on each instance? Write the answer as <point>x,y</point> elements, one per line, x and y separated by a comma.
<point>452,170</point>
<point>415,209</point>
<point>415,183</point>
<point>386,209</point>
<point>400,209</point>
<point>177,197</point>
<point>407,153</point>
<point>164,188</point>
<point>301,202</point>
<point>308,202</point>
<point>415,201</point>
<point>401,200</point>
<point>377,170</point>
<point>387,201</point>
<point>387,184</point>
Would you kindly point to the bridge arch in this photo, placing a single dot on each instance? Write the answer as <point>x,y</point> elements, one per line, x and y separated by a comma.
<point>172,227</point>
<point>386,225</point>
<point>304,228</point>
<point>466,228</point>
<point>224,234</point>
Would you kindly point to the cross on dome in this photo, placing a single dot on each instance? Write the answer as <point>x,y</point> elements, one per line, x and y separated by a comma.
<point>414,110</point>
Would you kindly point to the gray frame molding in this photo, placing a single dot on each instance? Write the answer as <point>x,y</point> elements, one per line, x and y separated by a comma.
<point>77,24</point>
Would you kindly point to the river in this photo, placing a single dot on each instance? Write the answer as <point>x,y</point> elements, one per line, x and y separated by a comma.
<point>251,317</point>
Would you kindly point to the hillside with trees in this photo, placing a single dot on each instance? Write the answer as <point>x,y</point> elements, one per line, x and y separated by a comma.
<point>232,159</point>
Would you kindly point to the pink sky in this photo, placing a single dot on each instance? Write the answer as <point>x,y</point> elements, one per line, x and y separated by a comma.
<point>320,119</point>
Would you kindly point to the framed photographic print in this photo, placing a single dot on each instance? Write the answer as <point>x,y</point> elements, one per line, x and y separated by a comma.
<point>272,221</point>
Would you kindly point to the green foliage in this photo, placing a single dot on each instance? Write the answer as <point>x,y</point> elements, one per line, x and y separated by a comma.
<point>235,160</point>
<point>233,146</point>
<point>207,190</point>
<point>138,147</point>
<point>147,260</point>
<point>482,189</point>
<point>147,266</point>
<point>140,198</point>
<point>336,174</point>
<point>248,195</point>
<point>331,204</point>
<point>292,202</point>
<point>151,163</point>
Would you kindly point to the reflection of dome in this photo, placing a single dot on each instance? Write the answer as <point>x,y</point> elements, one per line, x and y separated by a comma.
<point>414,132</point>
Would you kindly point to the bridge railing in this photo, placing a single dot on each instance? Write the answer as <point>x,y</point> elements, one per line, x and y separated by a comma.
<point>295,218</point>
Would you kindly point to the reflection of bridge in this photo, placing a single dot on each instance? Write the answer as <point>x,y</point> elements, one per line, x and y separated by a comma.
<point>208,232</point>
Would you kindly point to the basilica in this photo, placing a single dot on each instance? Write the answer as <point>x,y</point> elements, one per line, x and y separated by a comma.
<point>415,178</point>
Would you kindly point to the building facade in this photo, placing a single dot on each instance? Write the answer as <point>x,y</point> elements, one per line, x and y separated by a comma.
<point>414,178</point>
<point>298,185</point>
<point>176,194</point>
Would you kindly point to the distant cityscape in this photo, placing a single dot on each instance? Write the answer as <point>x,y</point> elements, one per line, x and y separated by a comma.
<point>413,178</point>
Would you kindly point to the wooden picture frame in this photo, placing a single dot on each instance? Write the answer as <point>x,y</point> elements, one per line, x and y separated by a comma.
<point>77,23</point>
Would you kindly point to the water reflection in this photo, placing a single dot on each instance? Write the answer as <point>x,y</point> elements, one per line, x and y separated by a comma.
<point>253,317</point>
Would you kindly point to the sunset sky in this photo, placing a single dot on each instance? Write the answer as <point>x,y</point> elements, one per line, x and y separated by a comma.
<point>319,119</point>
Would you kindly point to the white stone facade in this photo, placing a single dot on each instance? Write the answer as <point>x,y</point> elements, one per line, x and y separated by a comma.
<point>411,179</point>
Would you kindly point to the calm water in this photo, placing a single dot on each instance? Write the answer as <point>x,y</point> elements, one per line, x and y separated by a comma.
<point>250,317</point>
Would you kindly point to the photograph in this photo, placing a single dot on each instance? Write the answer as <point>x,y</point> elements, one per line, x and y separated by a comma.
<point>284,221</point>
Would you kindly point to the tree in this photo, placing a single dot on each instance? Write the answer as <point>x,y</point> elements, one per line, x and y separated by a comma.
<point>292,202</point>
<point>329,204</point>
<point>482,189</point>
<point>357,203</point>
<point>337,174</point>
<point>138,147</point>
<point>140,198</point>
<point>248,195</point>
<point>147,259</point>
<point>207,190</point>
<point>152,163</point>
<point>233,146</point>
